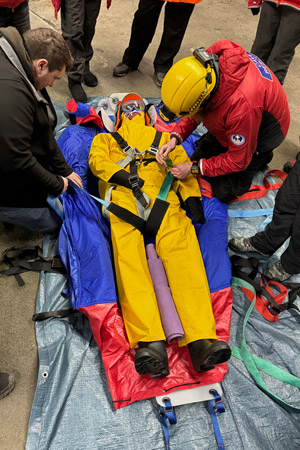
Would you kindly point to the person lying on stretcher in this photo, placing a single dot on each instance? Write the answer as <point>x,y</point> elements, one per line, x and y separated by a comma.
<point>132,178</point>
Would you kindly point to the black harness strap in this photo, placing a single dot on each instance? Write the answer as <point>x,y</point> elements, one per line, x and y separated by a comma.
<point>156,216</point>
<point>122,143</point>
<point>239,263</point>
<point>155,144</point>
<point>127,216</point>
<point>133,180</point>
<point>29,258</point>
<point>38,317</point>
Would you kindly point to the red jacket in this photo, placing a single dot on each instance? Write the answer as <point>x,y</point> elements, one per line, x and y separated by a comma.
<point>248,92</point>
<point>258,3</point>
<point>10,4</point>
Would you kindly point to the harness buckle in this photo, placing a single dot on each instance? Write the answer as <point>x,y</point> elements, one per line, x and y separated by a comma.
<point>133,180</point>
<point>127,149</point>
<point>153,150</point>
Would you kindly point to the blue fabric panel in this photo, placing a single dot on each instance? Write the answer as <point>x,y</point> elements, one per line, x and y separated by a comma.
<point>75,143</point>
<point>213,239</point>
<point>85,250</point>
<point>189,143</point>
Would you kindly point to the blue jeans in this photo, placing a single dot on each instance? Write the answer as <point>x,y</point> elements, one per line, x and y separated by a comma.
<point>45,220</point>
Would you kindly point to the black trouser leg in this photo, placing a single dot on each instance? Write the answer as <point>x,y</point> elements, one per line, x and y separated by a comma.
<point>78,21</point>
<point>92,8</point>
<point>17,17</point>
<point>277,36</point>
<point>287,39</point>
<point>227,187</point>
<point>177,16</point>
<point>142,31</point>
<point>266,31</point>
<point>285,223</point>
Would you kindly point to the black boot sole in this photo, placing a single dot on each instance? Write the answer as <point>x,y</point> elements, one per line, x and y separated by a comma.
<point>147,361</point>
<point>218,353</point>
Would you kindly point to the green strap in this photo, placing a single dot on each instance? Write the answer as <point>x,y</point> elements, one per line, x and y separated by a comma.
<point>167,183</point>
<point>253,363</point>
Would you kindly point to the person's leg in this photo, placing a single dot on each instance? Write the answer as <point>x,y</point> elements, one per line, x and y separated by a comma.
<point>266,30</point>
<point>44,220</point>
<point>287,39</point>
<point>5,14</point>
<point>177,16</point>
<point>227,187</point>
<point>92,8</point>
<point>135,288</point>
<point>178,248</point>
<point>72,20</point>
<point>142,31</point>
<point>290,259</point>
<point>284,223</point>
<point>18,18</point>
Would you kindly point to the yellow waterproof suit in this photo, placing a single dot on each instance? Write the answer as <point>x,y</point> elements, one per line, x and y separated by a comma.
<point>176,242</point>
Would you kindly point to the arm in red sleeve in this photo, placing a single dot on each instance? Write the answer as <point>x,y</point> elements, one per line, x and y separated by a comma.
<point>184,128</point>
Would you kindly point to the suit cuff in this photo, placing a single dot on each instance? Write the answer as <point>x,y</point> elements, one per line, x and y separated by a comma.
<point>200,166</point>
<point>177,136</point>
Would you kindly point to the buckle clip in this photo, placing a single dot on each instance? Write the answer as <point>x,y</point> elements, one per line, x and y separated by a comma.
<point>133,180</point>
<point>127,149</point>
<point>153,150</point>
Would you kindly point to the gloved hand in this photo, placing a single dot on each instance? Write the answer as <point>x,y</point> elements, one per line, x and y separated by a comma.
<point>121,178</point>
<point>255,11</point>
<point>194,205</point>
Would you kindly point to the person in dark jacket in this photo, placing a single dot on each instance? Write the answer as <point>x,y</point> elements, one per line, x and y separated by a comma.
<point>242,105</point>
<point>32,166</point>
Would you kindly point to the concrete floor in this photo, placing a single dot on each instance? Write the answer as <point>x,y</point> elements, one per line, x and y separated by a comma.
<point>211,21</point>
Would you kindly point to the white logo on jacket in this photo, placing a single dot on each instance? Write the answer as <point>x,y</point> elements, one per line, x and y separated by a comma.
<point>237,139</point>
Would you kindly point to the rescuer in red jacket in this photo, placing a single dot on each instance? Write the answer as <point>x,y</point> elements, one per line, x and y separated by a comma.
<point>242,105</point>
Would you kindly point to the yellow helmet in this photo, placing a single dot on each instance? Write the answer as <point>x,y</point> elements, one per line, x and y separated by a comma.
<point>187,84</point>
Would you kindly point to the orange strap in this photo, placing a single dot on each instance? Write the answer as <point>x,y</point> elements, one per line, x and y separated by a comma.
<point>263,305</point>
<point>258,191</point>
<point>255,191</point>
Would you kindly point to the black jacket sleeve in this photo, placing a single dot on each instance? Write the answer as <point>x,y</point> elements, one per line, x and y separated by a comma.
<point>17,133</point>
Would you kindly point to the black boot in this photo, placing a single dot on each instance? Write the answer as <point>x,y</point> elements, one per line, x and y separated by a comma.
<point>207,353</point>
<point>152,358</point>
<point>7,383</point>
<point>90,79</point>
<point>77,91</point>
